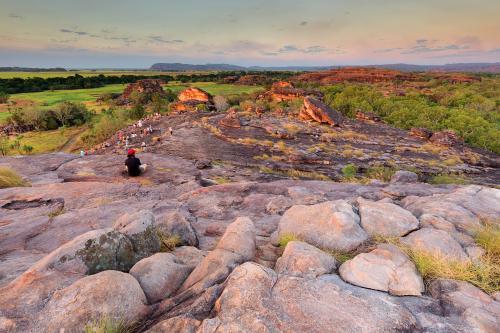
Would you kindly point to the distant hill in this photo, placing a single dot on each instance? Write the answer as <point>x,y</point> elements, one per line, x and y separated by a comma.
<point>28,69</point>
<point>463,67</point>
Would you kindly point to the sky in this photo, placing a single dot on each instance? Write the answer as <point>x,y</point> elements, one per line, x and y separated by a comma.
<point>138,33</point>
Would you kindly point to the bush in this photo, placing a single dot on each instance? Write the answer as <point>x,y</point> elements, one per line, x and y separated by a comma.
<point>286,238</point>
<point>221,103</point>
<point>4,97</point>
<point>349,171</point>
<point>8,178</point>
<point>71,114</point>
<point>136,112</point>
<point>103,130</point>
<point>107,325</point>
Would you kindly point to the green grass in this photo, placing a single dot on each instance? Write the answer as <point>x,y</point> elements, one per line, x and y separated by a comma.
<point>51,98</point>
<point>8,178</point>
<point>47,141</point>
<point>3,117</point>
<point>215,88</point>
<point>449,179</point>
<point>107,325</point>
<point>287,238</point>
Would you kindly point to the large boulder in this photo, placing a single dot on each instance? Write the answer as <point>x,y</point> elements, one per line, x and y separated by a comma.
<point>445,138</point>
<point>331,225</point>
<point>160,275</point>
<point>178,223</point>
<point>256,299</point>
<point>302,259</point>
<point>386,268</point>
<point>402,176</point>
<point>236,246</point>
<point>436,242</point>
<point>183,323</point>
<point>140,228</point>
<point>479,310</point>
<point>385,218</point>
<point>195,94</point>
<point>109,294</point>
<point>145,87</point>
<point>231,119</point>
<point>315,110</point>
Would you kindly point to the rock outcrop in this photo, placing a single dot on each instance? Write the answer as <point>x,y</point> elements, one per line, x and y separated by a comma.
<point>144,87</point>
<point>386,268</point>
<point>331,225</point>
<point>315,110</point>
<point>445,138</point>
<point>231,119</point>
<point>191,99</point>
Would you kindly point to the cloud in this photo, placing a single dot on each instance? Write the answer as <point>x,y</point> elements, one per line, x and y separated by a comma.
<point>303,23</point>
<point>389,50</point>
<point>307,50</point>
<point>160,39</point>
<point>79,33</point>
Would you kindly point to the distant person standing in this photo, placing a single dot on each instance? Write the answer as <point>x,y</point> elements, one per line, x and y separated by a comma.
<point>133,164</point>
<point>171,130</point>
<point>82,153</point>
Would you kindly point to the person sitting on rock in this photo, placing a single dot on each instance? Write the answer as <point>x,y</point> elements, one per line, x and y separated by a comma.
<point>133,165</point>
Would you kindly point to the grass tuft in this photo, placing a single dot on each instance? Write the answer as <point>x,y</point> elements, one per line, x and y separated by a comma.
<point>287,238</point>
<point>9,178</point>
<point>107,325</point>
<point>168,242</point>
<point>449,179</point>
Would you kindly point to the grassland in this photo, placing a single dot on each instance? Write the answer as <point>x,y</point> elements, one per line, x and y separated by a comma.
<point>48,141</point>
<point>51,98</point>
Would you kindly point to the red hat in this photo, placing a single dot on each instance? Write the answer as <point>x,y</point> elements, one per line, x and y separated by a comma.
<point>131,152</point>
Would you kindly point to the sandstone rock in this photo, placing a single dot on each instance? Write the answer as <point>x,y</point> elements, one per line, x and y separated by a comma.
<point>231,119</point>
<point>184,324</point>
<point>236,246</point>
<point>189,255</point>
<point>402,176</point>
<point>140,229</point>
<point>194,94</point>
<point>178,222</point>
<point>385,219</point>
<point>115,295</point>
<point>282,84</point>
<point>160,275</point>
<point>146,86</point>
<point>319,112</point>
<point>332,225</point>
<point>302,259</point>
<point>462,299</point>
<point>278,205</point>
<point>256,299</point>
<point>421,133</point>
<point>367,116</point>
<point>386,268</point>
<point>436,242</point>
<point>445,138</point>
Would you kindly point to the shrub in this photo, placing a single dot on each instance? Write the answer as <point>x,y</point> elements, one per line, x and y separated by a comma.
<point>4,97</point>
<point>107,325</point>
<point>221,103</point>
<point>349,171</point>
<point>136,112</point>
<point>8,178</point>
<point>449,179</point>
<point>380,172</point>
<point>168,242</point>
<point>71,114</point>
<point>158,103</point>
<point>286,238</point>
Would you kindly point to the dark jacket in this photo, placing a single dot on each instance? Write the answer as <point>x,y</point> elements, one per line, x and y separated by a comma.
<point>133,164</point>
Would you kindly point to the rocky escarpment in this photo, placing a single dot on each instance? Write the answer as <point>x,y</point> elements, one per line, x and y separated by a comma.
<point>172,254</point>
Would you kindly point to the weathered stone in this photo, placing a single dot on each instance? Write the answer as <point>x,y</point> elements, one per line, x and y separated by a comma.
<point>184,324</point>
<point>319,112</point>
<point>332,225</point>
<point>475,307</point>
<point>302,259</point>
<point>402,176</point>
<point>421,133</point>
<point>189,255</point>
<point>140,229</point>
<point>278,205</point>
<point>178,223</point>
<point>160,275</point>
<point>436,242</point>
<point>256,299</point>
<point>445,138</point>
<point>385,219</point>
<point>231,119</point>
<point>111,294</point>
<point>236,246</point>
<point>386,268</point>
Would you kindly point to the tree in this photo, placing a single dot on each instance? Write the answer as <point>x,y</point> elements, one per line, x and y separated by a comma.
<point>4,97</point>
<point>158,103</point>
<point>220,103</point>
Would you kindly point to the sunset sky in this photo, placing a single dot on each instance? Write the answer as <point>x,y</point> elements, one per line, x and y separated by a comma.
<point>135,34</point>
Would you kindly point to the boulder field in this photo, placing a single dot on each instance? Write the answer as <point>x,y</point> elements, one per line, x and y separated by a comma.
<point>172,252</point>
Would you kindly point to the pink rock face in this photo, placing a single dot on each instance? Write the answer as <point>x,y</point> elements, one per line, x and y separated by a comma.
<point>445,138</point>
<point>195,94</point>
<point>143,86</point>
<point>317,111</point>
<point>231,119</point>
